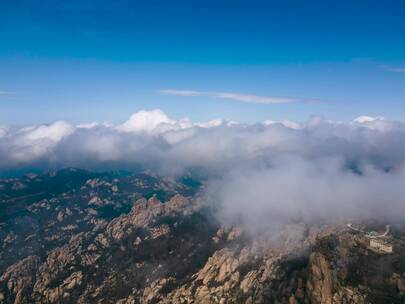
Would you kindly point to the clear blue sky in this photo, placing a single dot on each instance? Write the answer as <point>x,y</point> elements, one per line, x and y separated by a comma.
<point>102,60</point>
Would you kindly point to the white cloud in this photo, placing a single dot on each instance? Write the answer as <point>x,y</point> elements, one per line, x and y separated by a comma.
<point>30,143</point>
<point>308,190</point>
<point>54,132</point>
<point>6,93</point>
<point>233,96</point>
<point>280,169</point>
<point>365,119</point>
<point>157,122</point>
<point>3,131</point>
<point>286,123</point>
<point>88,125</point>
<point>146,121</point>
<point>181,92</point>
<point>395,70</point>
<point>211,123</point>
<point>153,137</point>
<point>253,98</point>
<point>374,123</point>
<point>93,124</point>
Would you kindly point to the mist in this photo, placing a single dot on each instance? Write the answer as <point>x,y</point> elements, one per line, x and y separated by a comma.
<point>262,174</point>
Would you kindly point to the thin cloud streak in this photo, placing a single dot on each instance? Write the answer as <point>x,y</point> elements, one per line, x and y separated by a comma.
<point>181,92</point>
<point>232,96</point>
<point>6,93</point>
<point>394,69</point>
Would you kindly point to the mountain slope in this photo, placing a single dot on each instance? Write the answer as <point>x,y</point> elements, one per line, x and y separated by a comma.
<point>178,252</point>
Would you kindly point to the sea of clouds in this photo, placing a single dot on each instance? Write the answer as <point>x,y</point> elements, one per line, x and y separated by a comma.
<point>264,172</point>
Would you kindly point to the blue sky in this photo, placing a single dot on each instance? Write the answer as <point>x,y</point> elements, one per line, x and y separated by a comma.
<point>102,60</point>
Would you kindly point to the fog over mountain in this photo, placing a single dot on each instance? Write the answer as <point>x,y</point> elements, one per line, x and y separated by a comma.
<point>316,170</point>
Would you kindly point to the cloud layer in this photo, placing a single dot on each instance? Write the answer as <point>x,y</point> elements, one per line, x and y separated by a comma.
<point>261,173</point>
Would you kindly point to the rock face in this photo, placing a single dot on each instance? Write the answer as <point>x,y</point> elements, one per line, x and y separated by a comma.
<point>342,269</point>
<point>49,209</point>
<point>20,277</point>
<point>176,252</point>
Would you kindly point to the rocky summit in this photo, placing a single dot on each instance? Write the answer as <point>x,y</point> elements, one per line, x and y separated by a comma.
<point>74,236</point>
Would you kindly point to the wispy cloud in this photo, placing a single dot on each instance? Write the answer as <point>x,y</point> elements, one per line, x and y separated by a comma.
<point>6,93</point>
<point>394,69</point>
<point>233,96</point>
<point>397,70</point>
<point>181,92</point>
